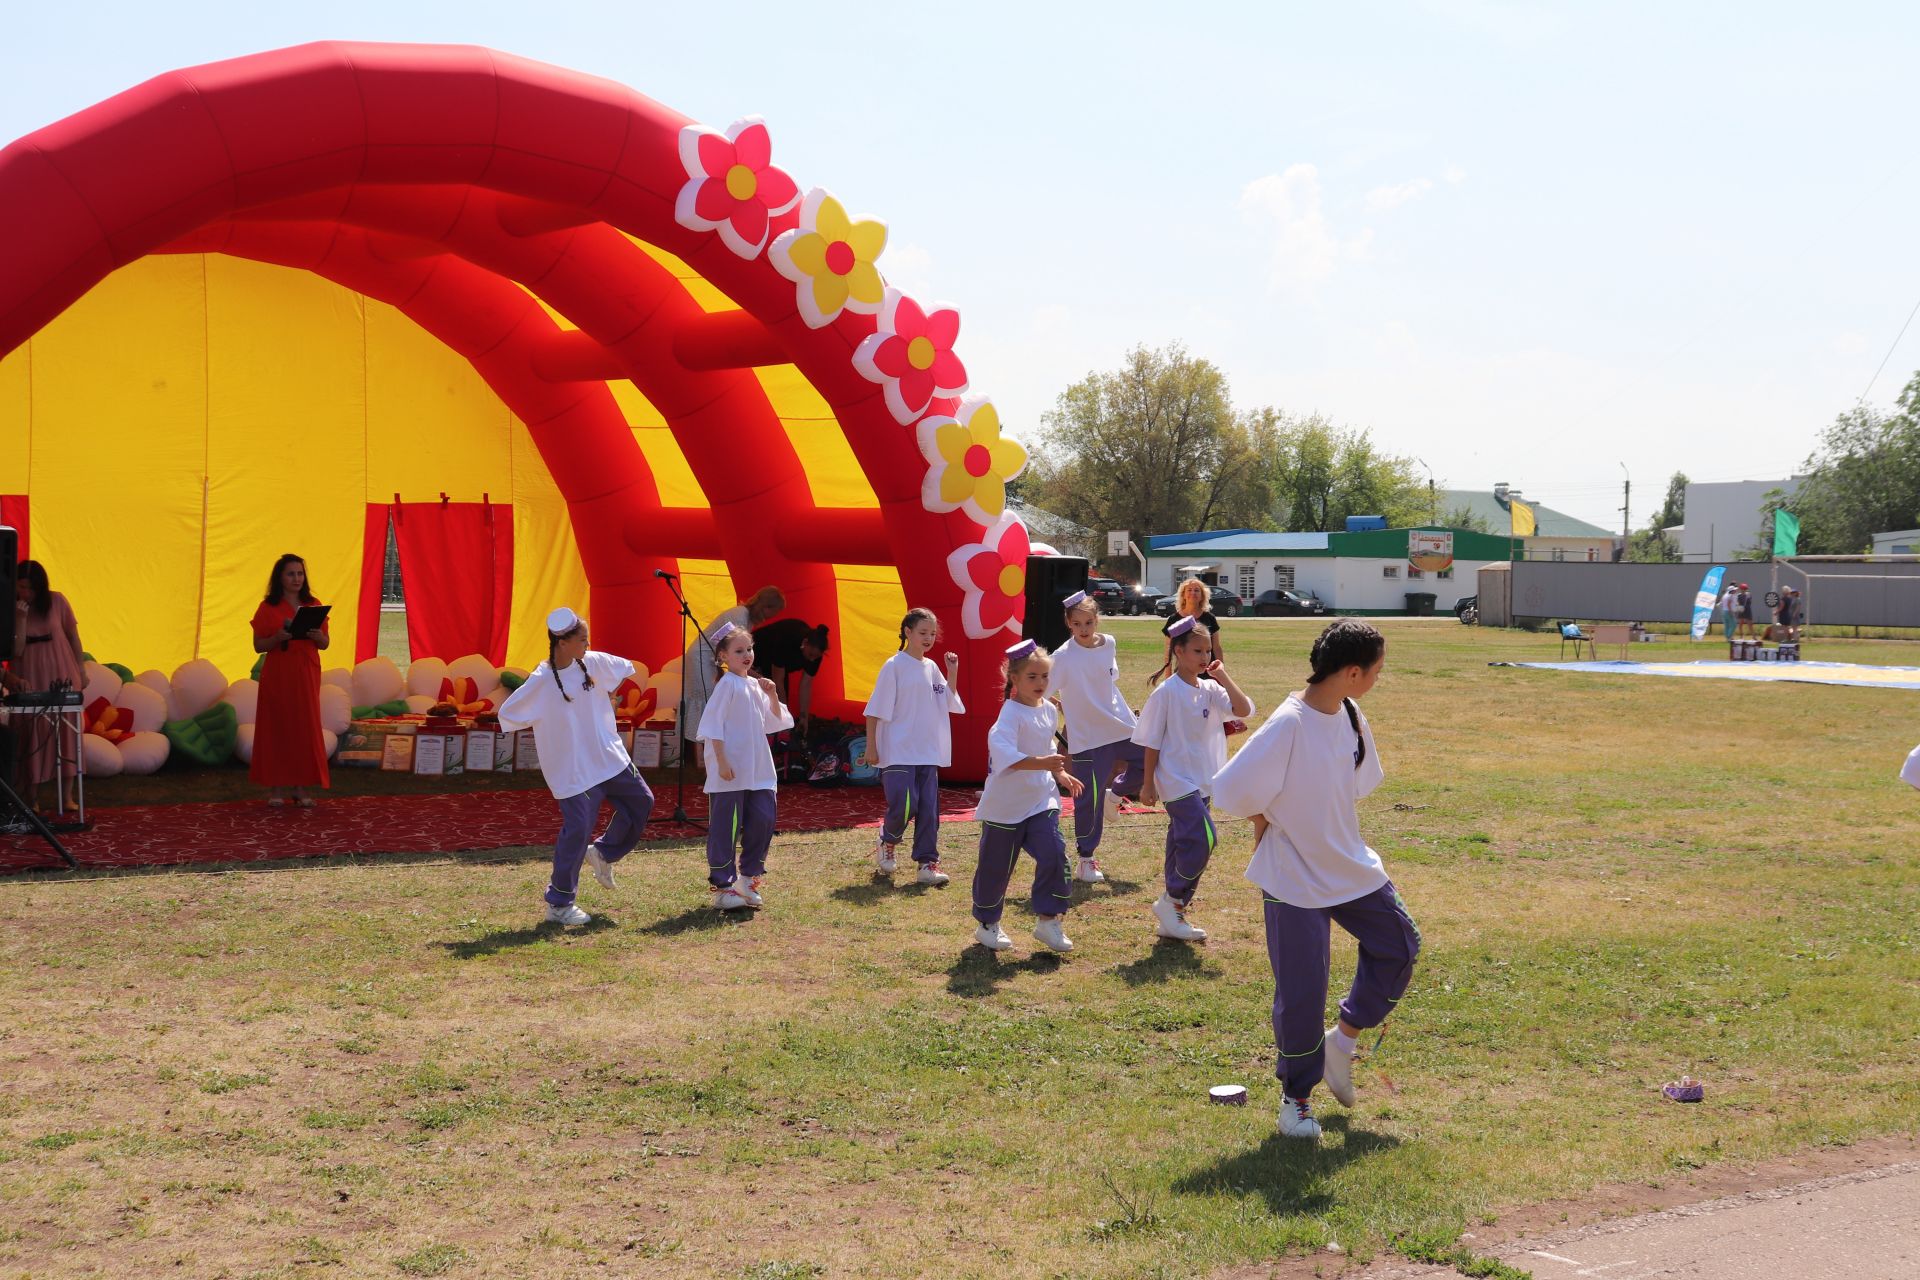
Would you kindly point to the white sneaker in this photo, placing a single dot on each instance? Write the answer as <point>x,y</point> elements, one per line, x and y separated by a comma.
<point>1338,1075</point>
<point>597,863</point>
<point>930,873</point>
<point>1053,935</point>
<point>1172,921</point>
<point>1112,803</point>
<point>1296,1120</point>
<point>569,914</point>
<point>728,899</point>
<point>1090,872</point>
<point>883,858</point>
<point>992,937</point>
<point>750,890</point>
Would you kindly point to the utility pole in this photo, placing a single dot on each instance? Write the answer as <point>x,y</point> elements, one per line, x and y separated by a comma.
<point>1433,498</point>
<point>1626,506</point>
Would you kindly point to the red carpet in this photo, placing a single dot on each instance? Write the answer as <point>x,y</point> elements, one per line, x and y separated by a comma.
<point>167,835</point>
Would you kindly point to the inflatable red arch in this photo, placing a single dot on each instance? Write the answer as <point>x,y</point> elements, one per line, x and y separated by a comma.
<point>460,184</point>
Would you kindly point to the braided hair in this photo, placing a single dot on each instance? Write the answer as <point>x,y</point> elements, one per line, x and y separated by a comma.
<point>553,652</point>
<point>1347,642</point>
<point>913,619</point>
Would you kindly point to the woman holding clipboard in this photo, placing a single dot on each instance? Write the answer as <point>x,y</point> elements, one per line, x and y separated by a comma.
<point>290,627</point>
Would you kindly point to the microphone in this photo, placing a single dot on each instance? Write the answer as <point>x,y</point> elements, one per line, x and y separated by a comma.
<point>661,573</point>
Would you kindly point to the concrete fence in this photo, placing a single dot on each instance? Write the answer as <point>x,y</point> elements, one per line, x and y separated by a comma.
<point>1878,593</point>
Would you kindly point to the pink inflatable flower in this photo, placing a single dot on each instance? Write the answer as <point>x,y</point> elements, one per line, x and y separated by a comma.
<point>993,574</point>
<point>733,187</point>
<point>911,356</point>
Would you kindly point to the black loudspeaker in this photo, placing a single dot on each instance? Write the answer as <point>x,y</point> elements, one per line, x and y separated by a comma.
<point>1051,579</point>
<point>9,567</point>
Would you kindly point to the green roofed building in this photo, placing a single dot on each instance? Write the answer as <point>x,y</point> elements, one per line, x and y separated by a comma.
<point>1559,536</point>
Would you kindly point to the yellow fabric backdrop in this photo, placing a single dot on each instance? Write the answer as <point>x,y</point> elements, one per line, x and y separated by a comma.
<point>194,416</point>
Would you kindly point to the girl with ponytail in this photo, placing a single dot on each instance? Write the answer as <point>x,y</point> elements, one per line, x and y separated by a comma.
<point>566,704</point>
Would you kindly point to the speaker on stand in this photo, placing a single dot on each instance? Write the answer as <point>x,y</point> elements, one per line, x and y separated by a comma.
<point>1051,579</point>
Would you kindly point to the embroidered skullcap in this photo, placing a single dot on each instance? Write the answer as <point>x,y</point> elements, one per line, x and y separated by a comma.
<point>1074,601</point>
<point>721,632</point>
<point>562,620</point>
<point>1181,628</point>
<point>1015,652</point>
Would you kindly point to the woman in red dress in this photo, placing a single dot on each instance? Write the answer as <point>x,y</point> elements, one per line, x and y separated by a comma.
<point>289,754</point>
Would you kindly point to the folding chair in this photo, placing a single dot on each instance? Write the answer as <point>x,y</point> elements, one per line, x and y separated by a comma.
<point>1571,631</point>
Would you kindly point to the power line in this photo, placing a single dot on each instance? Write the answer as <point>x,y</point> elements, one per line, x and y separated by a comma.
<point>1890,350</point>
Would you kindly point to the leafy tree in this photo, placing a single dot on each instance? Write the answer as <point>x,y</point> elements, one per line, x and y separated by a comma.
<point>1157,446</point>
<point>1653,544</point>
<point>1863,479</point>
<point>1465,517</point>
<point>1324,473</point>
<point>1153,446</point>
<point>1674,510</point>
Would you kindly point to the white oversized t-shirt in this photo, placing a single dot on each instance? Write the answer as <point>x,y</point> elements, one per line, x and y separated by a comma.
<point>1297,769</point>
<point>739,716</point>
<point>1184,723</point>
<point>1086,679</point>
<point>1014,795</point>
<point>1910,771</point>
<point>912,700</point>
<point>579,742</point>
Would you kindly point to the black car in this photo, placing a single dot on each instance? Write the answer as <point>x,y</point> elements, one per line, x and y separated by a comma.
<point>1108,595</point>
<point>1287,604</point>
<point>1142,600</point>
<point>1467,609</point>
<point>1224,604</point>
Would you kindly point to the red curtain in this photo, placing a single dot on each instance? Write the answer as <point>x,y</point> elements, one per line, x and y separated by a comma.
<point>373,573</point>
<point>456,567</point>
<point>13,512</point>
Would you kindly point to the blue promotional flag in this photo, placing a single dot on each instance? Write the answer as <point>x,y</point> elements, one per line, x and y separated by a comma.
<point>1704,599</point>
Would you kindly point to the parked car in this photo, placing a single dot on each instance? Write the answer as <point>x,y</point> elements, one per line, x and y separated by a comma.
<point>1468,610</point>
<point>1224,604</point>
<point>1287,604</point>
<point>1109,596</point>
<point>1142,600</point>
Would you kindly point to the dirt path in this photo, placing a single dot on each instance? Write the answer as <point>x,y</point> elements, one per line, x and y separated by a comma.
<point>1850,1212</point>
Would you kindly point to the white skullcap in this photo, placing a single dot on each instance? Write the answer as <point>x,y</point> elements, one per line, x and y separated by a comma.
<point>562,620</point>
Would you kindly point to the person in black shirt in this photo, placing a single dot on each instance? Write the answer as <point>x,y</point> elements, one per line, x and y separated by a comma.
<point>784,647</point>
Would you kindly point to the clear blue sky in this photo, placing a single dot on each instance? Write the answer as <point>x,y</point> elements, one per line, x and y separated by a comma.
<point>1525,243</point>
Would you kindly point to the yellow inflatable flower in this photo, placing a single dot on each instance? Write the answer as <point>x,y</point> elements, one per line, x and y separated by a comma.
<point>831,258</point>
<point>969,462</point>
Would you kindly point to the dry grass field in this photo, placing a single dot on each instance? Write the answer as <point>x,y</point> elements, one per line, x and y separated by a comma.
<point>380,1066</point>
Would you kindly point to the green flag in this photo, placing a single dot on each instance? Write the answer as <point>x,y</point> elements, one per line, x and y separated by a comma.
<point>1786,533</point>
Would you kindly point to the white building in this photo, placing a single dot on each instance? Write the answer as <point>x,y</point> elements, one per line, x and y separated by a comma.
<point>1354,573</point>
<point>1905,542</point>
<point>1723,519</point>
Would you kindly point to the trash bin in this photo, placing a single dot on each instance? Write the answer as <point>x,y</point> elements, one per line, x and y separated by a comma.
<point>1420,604</point>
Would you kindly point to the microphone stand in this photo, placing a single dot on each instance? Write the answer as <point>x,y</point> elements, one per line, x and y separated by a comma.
<point>680,765</point>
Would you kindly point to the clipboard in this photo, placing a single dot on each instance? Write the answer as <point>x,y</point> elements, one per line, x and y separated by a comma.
<point>308,618</point>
